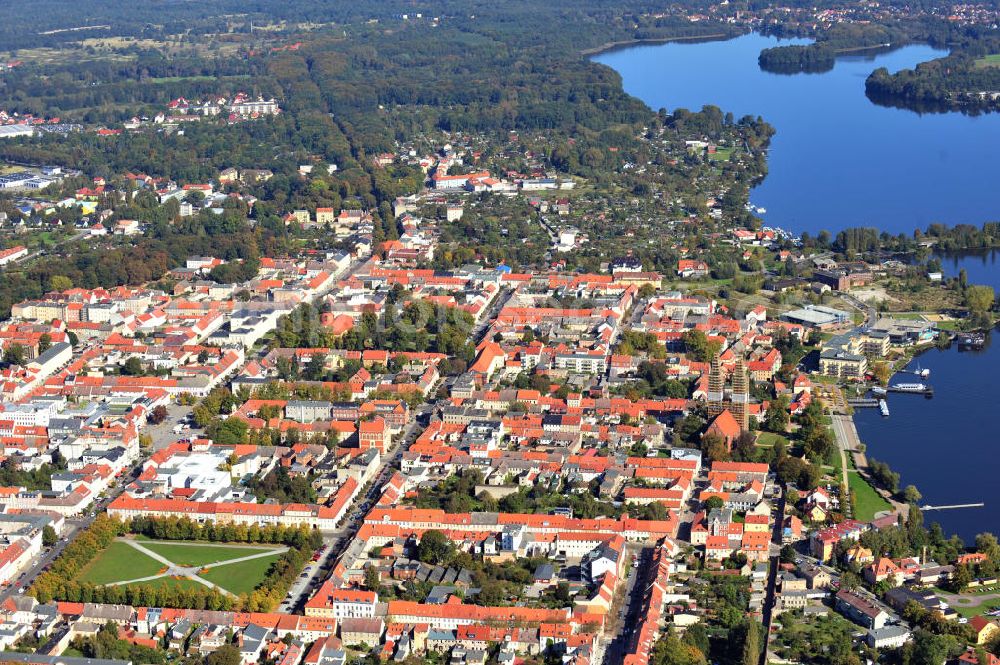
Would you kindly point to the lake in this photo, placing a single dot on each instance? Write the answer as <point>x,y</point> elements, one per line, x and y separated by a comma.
<point>981,267</point>
<point>945,445</point>
<point>837,160</point>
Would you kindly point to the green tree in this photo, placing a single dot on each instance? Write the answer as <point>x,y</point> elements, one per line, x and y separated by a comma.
<point>776,417</point>
<point>927,648</point>
<point>60,283</point>
<point>435,548</point>
<point>698,345</point>
<point>49,536</point>
<point>911,494</point>
<point>491,594</point>
<point>979,298</point>
<point>133,367</point>
<point>670,650</point>
<point>751,643</point>
<point>15,354</point>
<point>372,581</point>
<point>227,654</point>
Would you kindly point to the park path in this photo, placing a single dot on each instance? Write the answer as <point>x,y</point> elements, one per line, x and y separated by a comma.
<point>846,435</point>
<point>841,439</point>
<point>968,600</point>
<point>192,572</point>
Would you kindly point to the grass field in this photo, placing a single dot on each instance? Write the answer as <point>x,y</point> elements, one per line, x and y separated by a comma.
<point>198,554</point>
<point>721,155</point>
<point>989,61</point>
<point>118,560</point>
<point>240,577</point>
<point>769,439</point>
<point>835,466</point>
<point>867,500</point>
<point>122,562</point>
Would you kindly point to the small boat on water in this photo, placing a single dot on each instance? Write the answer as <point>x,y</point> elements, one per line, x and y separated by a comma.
<point>883,406</point>
<point>879,391</point>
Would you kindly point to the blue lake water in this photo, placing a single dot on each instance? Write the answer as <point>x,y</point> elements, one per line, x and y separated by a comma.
<point>837,160</point>
<point>981,267</point>
<point>945,445</point>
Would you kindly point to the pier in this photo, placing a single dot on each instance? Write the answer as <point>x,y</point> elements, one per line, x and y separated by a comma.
<point>863,403</point>
<point>953,506</point>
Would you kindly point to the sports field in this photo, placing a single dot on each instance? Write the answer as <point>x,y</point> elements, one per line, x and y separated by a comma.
<point>233,568</point>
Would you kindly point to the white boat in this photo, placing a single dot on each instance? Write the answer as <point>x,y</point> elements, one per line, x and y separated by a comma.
<point>909,387</point>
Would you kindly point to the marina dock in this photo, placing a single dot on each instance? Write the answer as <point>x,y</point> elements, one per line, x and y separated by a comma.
<point>863,403</point>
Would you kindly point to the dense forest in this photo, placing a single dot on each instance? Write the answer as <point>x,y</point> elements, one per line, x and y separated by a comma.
<point>947,84</point>
<point>359,89</point>
<point>343,100</point>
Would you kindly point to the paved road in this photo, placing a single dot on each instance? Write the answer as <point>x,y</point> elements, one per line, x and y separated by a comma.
<point>336,541</point>
<point>620,634</point>
<point>772,576</point>
<point>477,332</point>
<point>871,314</point>
<point>41,562</point>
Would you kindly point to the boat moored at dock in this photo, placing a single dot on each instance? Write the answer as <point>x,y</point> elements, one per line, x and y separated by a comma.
<point>913,388</point>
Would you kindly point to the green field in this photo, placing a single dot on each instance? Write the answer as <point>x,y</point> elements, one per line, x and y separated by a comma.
<point>989,61</point>
<point>721,155</point>
<point>769,439</point>
<point>199,554</point>
<point>116,561</point>
<point>240,577</point>
<point>121,562</point>
<point>867,500</point>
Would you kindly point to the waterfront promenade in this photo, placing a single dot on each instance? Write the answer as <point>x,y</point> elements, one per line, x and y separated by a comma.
<point>848,441</point>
